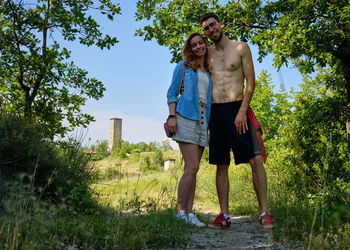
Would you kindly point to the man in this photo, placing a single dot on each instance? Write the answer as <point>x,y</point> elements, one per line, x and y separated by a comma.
<point>230,63</point>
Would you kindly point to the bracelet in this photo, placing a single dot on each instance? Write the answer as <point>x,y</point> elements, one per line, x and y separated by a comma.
<point>171,116</point>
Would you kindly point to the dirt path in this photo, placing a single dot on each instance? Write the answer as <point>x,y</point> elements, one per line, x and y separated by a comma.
<point>244,233</point>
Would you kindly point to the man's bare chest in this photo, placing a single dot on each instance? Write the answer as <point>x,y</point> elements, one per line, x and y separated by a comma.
<point>221,62</point>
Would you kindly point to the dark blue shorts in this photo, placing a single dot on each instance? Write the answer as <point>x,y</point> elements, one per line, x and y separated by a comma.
<point>224,137</point>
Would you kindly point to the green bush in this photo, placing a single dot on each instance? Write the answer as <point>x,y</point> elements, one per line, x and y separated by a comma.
<point>113,173</point>
<point>157,158</point>
<point>23,147</point>
<point>152,162</point>
<point>100,150</point>
<point>146,164</point>
<point>61,171</point>
<point>135,155</point>
<point>99,156</point>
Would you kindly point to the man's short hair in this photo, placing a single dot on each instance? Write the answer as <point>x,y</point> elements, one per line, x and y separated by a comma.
<point>208,15</point>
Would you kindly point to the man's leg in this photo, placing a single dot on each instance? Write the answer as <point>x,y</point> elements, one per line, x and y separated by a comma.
<point>259,181</point>
<point>222,187</point>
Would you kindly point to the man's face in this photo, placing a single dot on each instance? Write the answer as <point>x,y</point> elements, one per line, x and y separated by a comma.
<point>213,29</point>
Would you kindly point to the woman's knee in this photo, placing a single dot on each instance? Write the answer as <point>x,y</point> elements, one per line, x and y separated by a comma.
<point>192,169</point>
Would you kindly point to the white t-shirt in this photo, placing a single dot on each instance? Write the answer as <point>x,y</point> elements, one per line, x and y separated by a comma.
<point>203,85</point>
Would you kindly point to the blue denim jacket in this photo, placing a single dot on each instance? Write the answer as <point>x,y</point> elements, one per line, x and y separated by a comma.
<point>187,105</point>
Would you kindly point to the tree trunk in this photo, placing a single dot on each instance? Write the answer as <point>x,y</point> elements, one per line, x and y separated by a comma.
<point>346,71</point>
<point>348,115</point>
<point>343,54</point>
<point>27,105</point>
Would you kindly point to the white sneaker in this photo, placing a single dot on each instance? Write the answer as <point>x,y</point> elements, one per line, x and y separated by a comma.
<point>182,215</point>
<point>192,219</point>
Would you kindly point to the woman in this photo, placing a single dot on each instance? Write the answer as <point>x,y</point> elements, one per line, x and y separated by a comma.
<point>189,117</point>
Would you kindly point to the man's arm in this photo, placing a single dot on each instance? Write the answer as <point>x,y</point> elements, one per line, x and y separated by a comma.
<point>249,74</point>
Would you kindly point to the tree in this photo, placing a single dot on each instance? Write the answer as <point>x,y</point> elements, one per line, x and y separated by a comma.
<point>157,159</point>
<point>121,149</point>
<point>271,108</point>
<point>101,146</point>
<point>153,145</point>
<point>308,34</point>
<point>36,79</point>
<point>165,146</point>
<point>316,115</point>
<point>100,150</point>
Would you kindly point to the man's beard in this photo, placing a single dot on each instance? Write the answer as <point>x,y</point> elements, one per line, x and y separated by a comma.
<point>219,38</point>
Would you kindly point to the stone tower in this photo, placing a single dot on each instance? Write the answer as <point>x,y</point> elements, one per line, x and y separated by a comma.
<point>115,132</point>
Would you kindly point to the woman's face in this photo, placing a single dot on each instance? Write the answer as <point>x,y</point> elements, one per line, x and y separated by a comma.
<point>198,46</point>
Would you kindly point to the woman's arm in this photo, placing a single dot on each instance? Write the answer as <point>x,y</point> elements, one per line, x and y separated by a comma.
<point>172,119</point>
<point>173,90</point>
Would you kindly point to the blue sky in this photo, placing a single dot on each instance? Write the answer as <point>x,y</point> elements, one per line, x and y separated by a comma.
<point>137,75</point>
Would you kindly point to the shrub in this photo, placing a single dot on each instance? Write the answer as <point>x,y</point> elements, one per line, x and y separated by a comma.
<point>145,164</point>
<point>61,171</point>
<point>158,159</point>
<point>113,172</point>
<point>99,156</point>
<point>22,147</point>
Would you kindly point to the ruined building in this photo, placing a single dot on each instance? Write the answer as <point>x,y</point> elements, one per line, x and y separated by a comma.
<point>115,132</point>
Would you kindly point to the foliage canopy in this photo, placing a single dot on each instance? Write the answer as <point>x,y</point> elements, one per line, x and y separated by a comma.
<point>308,34</point>
<point>36,79</point>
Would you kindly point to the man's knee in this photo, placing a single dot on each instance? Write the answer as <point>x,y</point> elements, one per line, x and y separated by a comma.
<point>222,170</point>
<point>256,162</point>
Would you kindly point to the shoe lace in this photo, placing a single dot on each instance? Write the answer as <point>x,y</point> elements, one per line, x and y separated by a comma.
<point>193,218</point>
<point>219,218</point>
<point>181,215</point>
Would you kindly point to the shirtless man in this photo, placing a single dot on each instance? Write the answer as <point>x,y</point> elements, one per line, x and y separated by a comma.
<point>230,63</point>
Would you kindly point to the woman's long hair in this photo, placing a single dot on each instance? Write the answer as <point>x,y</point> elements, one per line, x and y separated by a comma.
<point>190,58</point>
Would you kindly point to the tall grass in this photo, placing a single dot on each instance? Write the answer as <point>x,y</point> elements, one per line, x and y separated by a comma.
<point>318,221</point>
<point>137,223</point>
<point>116,204</point>
<point>47,201</point>
<point>36,224</point>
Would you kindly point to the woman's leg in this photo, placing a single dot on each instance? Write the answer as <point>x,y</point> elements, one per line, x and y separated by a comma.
<point>190,153</point>
<point>190,198</point>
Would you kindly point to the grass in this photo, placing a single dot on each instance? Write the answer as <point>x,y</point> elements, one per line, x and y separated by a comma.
<point>138,221</point>
<point>135,210</point>
<point>161,186</point>
<point>36,224</point>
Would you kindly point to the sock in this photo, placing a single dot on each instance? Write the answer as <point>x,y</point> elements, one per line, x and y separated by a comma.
<point>181,212</point>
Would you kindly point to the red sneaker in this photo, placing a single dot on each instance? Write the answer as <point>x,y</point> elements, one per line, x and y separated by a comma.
<point>220,222</point>
<point>266,220</point>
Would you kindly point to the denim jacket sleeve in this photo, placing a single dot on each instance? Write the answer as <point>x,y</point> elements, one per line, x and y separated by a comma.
<point>175,83</point>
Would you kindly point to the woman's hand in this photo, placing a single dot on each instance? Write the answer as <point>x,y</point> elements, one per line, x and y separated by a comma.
<point>172,125</point>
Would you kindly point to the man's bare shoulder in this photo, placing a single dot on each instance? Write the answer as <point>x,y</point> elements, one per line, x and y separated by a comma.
<point>211,48</point>
<point>239,45</point>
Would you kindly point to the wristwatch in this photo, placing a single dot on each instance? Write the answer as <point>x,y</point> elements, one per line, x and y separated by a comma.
<point>171,116</point>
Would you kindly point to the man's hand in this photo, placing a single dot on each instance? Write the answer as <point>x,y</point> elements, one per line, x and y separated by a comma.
<point>241,122</point>
<point>172,125</point>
